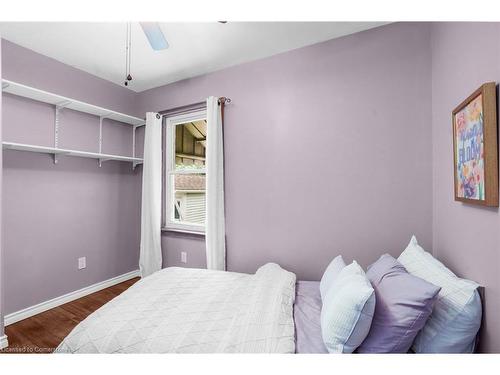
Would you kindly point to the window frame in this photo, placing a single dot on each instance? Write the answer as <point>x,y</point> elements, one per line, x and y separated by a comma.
<point>169,224</point>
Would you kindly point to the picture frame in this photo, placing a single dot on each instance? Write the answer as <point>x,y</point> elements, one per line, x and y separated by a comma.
<point>475,148</point>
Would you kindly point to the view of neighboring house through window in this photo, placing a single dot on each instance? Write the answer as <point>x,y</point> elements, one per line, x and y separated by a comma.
<point>185,141</point>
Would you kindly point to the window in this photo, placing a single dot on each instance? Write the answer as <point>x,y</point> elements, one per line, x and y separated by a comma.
<point>185,141</point>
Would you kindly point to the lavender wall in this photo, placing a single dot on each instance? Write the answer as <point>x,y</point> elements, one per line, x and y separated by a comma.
<point>53,214</point>
<point>327,151</point>
<point>466,237</point>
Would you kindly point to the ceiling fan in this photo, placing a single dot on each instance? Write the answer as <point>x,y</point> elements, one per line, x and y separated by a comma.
<point>155,37</point>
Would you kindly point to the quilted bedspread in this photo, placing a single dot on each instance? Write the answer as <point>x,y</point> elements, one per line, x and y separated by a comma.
<point>183,310</point>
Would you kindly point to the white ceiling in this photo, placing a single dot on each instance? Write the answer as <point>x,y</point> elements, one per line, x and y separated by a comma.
<point>195,48</point>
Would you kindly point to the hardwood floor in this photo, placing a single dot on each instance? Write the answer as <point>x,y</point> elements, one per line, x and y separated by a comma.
<point>42,333</point>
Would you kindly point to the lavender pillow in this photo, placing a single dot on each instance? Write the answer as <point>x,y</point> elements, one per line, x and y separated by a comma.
<point>403,304</point>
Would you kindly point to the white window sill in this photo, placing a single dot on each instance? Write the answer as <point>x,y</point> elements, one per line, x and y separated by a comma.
<point>184,231</point>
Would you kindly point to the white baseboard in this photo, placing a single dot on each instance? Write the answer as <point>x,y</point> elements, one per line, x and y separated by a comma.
<point>3,342</point>
<point>58,301</point>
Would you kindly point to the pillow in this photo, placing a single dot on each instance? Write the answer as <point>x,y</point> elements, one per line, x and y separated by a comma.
<point>330,274</point>
<point>456,317</point>
<point>347,311</point>
<point>404,302</point>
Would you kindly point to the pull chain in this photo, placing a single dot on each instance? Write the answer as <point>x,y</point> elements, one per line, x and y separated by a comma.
<point>128,51</point>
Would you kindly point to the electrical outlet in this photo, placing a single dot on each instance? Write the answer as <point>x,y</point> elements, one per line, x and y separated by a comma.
<point>184,257</point>
<point>82,263</point>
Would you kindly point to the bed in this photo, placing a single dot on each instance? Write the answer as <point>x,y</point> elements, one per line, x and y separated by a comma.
<point>183,310</point>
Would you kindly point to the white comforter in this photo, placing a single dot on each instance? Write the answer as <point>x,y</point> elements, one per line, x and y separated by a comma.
<point>182,310</point>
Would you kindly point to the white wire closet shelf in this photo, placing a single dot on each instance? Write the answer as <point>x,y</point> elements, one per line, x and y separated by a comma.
<point>19,89</point>
<point>61,102</point>
<point>63,151</point>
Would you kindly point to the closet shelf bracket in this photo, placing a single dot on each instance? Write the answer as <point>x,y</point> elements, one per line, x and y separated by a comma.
<point>58,109</point>
<point>101,160</point>
<point>134,164</point>
<point>101,118</point>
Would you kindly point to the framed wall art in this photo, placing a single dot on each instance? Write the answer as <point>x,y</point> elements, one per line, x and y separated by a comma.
<point>475,148</point>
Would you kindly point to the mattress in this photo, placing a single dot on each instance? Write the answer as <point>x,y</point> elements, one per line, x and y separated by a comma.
<point>183,310</point>
<point>307,318</point>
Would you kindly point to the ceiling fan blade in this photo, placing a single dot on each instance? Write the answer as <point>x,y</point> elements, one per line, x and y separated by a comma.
<point>154,35</point>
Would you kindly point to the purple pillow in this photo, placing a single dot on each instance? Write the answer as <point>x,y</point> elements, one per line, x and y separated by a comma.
<point>403,304</point>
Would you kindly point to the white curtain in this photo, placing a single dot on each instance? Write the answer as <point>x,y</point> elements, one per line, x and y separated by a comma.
<point>150,255</point>
<point>215,231</point>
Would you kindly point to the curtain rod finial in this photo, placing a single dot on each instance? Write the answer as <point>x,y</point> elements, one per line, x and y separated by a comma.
<point>224,100</point>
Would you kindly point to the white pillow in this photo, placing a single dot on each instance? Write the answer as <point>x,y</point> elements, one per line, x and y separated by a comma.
<point>456,316</point>
<point>347,312</point>
<point>330,274</point>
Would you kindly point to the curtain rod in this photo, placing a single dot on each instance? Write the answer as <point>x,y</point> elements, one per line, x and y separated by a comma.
<point>189,107</point>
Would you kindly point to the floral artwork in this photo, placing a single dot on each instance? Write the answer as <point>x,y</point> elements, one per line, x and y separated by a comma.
<point>475,148</point>
<point>469,150</point>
